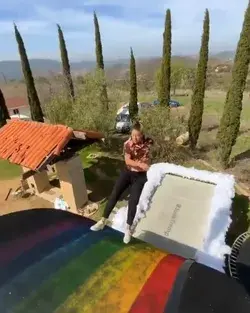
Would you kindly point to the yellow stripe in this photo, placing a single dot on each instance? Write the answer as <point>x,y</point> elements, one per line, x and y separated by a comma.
<point>123,293</point>
<point>98,284</point>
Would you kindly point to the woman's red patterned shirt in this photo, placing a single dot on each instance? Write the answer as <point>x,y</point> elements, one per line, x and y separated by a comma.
<point>138,152</point>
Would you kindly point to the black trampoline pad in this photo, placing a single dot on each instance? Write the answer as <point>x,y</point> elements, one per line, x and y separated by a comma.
<point>204,290</point>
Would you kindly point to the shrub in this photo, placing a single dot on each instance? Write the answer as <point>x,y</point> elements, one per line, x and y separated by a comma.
<point>87,111</point>
<point>59,109</point>
<point>164,130</point>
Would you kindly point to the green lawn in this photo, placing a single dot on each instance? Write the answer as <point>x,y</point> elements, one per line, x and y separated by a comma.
<point>8,170</point>
<point>86,152</point>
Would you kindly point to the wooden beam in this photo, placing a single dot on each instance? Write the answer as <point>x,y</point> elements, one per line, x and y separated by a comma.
<point>28,174</point>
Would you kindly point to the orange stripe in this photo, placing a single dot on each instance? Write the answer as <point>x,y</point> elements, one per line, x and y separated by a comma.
<point>123,293</point>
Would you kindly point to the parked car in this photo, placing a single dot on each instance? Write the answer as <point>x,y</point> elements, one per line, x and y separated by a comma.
<point>172,103</point>
<point>123,121</point>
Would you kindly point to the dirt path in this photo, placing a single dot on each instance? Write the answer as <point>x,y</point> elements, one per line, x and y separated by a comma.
<point>20,204</point>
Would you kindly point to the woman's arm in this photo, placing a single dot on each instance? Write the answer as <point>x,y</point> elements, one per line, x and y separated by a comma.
<point>138,165</point>
<point>132,163</point>
<point>145,161</point>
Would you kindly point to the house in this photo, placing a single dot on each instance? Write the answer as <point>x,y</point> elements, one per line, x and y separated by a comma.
<point>223,68</point>
<point>37,147</point>
<point>18,107</point>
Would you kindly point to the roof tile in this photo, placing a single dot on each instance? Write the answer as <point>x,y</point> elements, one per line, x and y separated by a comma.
<point>28,143</point>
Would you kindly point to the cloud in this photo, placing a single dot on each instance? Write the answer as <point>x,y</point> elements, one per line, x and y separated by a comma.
<point>27,27</point>
<point>123,24</point>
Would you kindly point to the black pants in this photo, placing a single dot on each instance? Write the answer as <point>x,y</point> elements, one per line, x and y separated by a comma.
<point>136,181</point>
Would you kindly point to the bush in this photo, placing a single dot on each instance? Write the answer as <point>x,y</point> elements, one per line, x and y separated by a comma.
<point>59,110</point>
<point>164,130</point>
<point>87,112</point>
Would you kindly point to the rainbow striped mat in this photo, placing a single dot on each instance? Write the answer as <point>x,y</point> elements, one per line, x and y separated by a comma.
<point>51,262</point>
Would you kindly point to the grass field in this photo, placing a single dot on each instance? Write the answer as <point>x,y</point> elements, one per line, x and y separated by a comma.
<point>8,170</point>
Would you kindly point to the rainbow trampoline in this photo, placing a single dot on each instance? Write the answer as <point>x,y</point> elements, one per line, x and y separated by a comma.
<point>51,262</point>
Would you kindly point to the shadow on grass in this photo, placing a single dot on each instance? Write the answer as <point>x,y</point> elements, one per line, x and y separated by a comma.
<point>114,144</point>
<point>242,156</point>
<point>240,223</point>
<point>210,128</point>
<point>101,177</point>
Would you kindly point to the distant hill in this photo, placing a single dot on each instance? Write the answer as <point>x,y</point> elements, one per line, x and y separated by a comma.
<point>42,67</point>
<point>225,55</point>
<point>114,69</point>
<point>146,66</point>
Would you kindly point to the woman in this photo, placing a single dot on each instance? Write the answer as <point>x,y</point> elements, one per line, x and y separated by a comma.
<point>136,153</point>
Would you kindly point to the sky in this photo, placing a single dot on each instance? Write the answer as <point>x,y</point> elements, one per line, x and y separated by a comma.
<point>123,23</point>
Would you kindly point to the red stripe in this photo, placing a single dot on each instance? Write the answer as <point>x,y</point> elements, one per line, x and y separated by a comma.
<point>154,294</point>
<point>11,250</point>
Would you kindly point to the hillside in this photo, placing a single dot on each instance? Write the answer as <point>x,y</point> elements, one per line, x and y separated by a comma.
<point>225,55</point>
<point>42,67</point>
<point>115,69</point>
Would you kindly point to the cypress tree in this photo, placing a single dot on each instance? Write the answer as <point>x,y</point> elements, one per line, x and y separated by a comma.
<point>165,74</point>
<point>98,44</point>
<point>65,64</point>
<point>34,102</point>
<point>100,62</point>
<point>197,104</point>
<point>230,121</point>
<point>4,113</point>
<point>133,106</point>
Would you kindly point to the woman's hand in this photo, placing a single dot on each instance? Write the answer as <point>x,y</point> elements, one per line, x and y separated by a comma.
<point>143,166</point>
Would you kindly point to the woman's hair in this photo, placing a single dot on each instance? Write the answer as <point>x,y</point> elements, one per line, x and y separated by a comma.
<point>137,126</point>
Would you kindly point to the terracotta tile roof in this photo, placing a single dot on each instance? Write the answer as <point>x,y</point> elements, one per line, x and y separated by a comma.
<point>16,102</point>
<point>29,143</point>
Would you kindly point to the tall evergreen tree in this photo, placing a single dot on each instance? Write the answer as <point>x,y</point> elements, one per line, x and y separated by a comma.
<point>197,104</point>
<point>165,74</point>
<point>4,113</point>
<point>100,62</point>
<point>65,64</point>
<point>230,121</point>
<point>133,106</point>
<point>34,102</point>
<point>98,44</point>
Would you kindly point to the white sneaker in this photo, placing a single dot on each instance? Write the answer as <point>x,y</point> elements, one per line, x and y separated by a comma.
<point>127,236</point>
<point>98,226</point>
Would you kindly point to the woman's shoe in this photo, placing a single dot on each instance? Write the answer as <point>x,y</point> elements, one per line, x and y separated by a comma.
<point>127,236</point>
<point>98,226</point>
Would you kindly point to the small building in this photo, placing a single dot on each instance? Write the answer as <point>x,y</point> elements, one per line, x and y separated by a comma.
<point>18,107</point>
<point>223,68</point>
<point>40,149</point>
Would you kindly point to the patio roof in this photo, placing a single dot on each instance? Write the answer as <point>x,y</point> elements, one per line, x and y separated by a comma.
<point>32,144</point>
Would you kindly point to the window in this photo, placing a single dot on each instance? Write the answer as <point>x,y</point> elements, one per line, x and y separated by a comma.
<point>15,111</point>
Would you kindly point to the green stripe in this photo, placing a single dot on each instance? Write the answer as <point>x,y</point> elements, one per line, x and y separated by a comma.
<point>55,291</point>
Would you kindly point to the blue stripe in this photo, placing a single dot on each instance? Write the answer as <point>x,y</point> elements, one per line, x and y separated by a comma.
<point>39,252</point>
<point>22,285</point>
